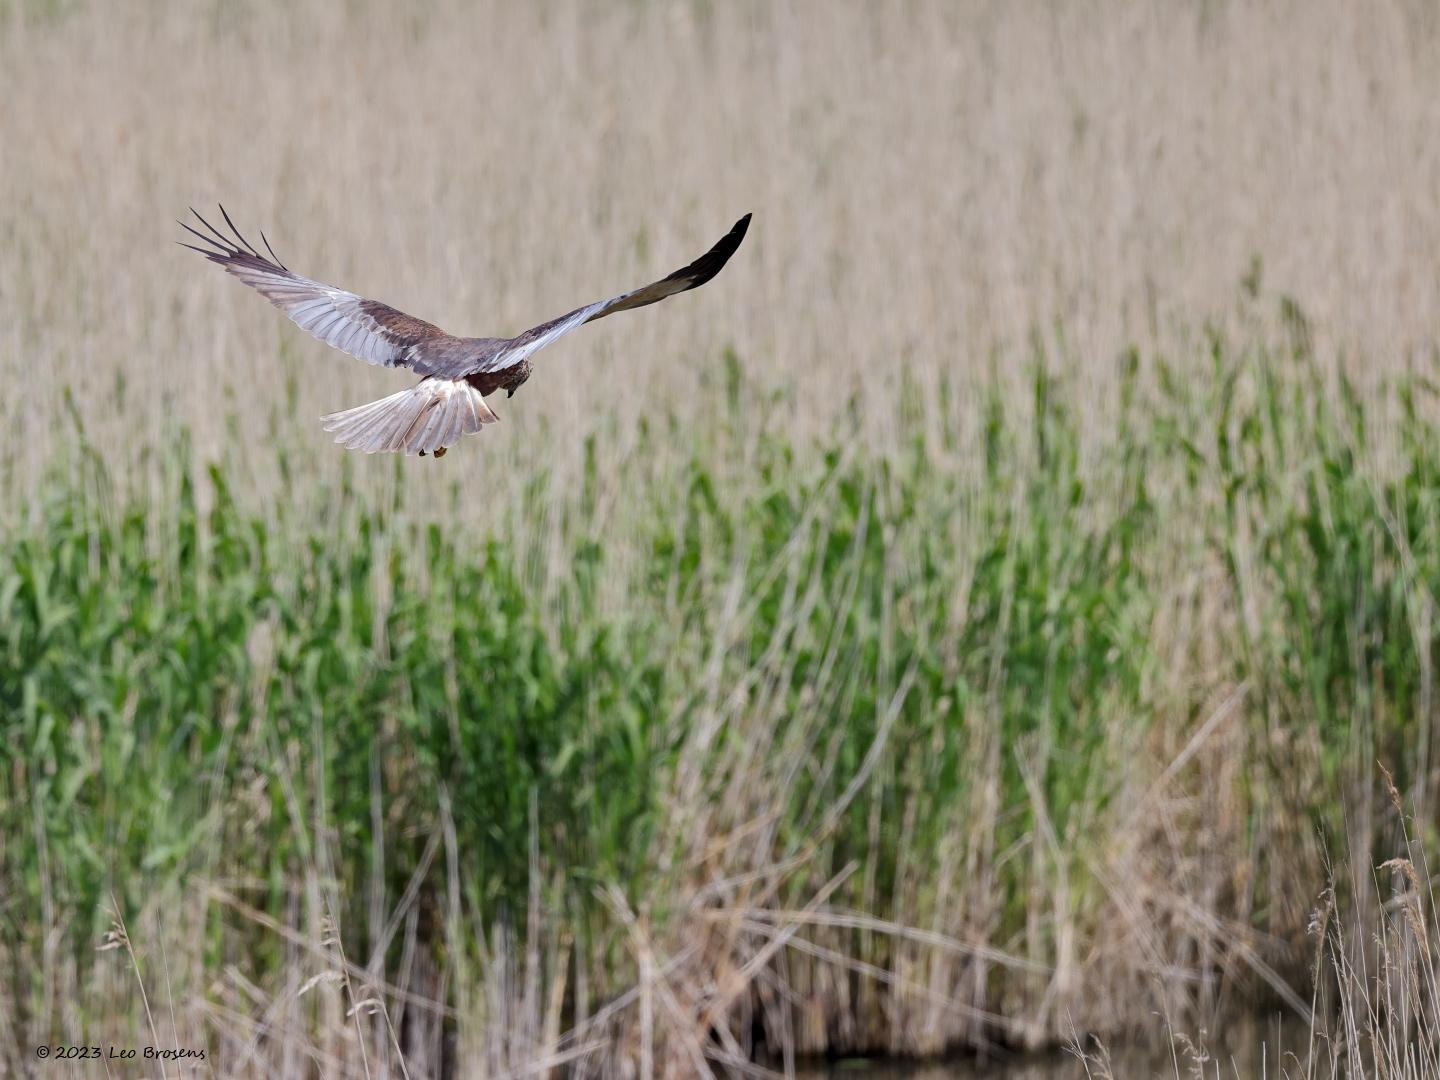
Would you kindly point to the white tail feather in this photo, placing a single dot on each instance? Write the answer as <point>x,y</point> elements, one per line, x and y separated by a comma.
<point>431,415</point>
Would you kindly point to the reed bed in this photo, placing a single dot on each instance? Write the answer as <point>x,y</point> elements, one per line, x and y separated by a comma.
<point>878,759</point>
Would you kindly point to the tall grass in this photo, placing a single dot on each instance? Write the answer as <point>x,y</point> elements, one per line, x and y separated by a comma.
<point>879,754</point>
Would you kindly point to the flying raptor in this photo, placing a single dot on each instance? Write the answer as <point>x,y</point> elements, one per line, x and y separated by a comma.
<point>458,373</point>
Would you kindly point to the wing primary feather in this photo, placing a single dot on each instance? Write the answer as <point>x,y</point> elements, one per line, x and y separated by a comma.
<point>239,235</point>
<point>203,251</point>
<point>225,244</point>
<point>272,252</point>
<point>210,252</point>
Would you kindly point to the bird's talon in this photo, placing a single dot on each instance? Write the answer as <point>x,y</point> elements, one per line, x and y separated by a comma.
<point>441,452</point>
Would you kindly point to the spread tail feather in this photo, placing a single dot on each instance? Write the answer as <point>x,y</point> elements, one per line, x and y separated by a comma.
<point>429,416</point>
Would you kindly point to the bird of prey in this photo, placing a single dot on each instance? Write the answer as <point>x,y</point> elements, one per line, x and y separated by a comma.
<point>458,373</point>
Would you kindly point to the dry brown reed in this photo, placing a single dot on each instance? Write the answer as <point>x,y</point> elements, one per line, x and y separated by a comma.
<point>933,185</point>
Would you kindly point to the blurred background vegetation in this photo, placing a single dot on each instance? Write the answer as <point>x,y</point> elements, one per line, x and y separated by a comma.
<point>999,610</point>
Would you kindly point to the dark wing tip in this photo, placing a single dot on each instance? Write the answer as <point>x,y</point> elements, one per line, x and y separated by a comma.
<point>230,250</point>
<point>734,236</point>
<point>710,264</point>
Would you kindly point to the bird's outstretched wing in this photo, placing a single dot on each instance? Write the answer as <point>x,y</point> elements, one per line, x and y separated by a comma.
<point>366,329</point>
<point>696,274</point>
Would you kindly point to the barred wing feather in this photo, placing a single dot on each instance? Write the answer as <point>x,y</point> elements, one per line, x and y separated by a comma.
<point>366,329</point>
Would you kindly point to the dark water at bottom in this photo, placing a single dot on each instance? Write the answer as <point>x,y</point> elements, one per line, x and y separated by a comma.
<point>1253,1046</point>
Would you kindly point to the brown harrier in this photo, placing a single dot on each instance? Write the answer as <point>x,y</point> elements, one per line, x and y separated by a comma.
<point>459,373</point>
